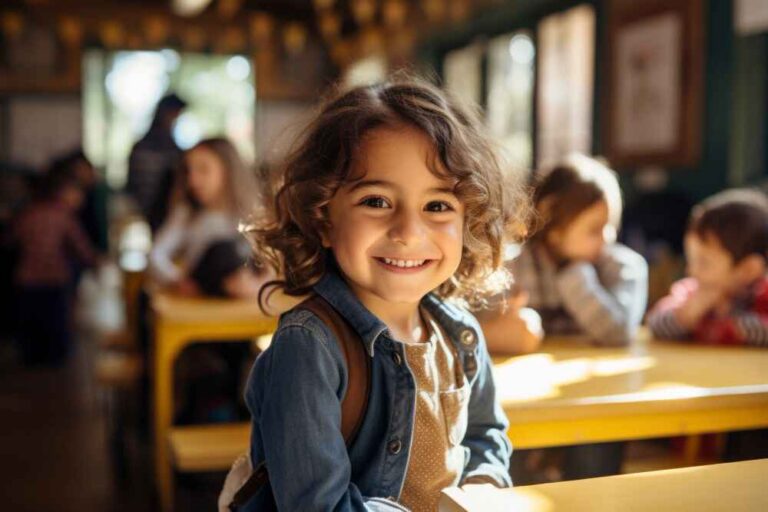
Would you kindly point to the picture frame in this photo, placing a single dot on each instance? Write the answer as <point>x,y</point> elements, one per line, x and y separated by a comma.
<point>652,107</point>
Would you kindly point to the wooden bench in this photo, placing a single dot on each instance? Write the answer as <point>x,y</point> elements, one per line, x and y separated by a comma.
<point>178,323</point>
<point>208,447</point>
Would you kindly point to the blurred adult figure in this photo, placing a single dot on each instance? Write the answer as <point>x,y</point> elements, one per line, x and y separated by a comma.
<point>152,162</point>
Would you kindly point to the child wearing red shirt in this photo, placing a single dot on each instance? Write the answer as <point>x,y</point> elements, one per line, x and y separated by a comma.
<point>725,298</point>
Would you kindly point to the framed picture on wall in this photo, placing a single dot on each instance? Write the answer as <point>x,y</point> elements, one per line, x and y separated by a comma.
<point>652,108</point>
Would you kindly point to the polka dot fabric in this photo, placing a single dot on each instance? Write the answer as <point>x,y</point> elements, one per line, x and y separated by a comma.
<point>437,456</point>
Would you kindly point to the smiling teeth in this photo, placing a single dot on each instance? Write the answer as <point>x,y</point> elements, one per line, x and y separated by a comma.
<point>404,263</point>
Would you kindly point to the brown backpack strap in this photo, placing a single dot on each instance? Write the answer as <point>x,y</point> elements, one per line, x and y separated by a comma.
<point>355,401</point>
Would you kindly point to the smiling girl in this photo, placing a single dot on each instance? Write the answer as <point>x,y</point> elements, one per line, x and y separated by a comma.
<point>392,204</point>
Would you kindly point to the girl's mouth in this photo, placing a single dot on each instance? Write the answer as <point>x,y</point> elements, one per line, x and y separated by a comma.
<point>404,265</point>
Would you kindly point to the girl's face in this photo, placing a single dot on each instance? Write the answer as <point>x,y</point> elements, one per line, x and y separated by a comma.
<point>397,232</point>
<point>584,237</point>
<point>206,176</point>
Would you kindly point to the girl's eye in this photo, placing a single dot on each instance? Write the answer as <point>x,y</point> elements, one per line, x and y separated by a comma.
<point>438,207</point>
<point>374,202</point>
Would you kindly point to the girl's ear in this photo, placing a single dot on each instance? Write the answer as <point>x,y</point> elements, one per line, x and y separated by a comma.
<point>752,267</point>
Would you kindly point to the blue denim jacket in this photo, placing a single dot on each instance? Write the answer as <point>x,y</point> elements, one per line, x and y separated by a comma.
<point>294,394</point>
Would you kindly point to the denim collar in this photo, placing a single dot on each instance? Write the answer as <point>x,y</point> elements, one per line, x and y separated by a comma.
<point>337,293</point>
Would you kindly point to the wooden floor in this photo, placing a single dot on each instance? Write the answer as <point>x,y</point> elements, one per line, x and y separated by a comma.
<point>54,452</point>
<point>53,448</point>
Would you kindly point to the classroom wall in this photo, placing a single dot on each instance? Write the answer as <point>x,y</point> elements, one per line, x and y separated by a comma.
<point>278,122</point>
<point>40,127</point>
<point>734,131</point>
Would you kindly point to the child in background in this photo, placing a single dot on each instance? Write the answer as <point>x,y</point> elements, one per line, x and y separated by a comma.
<point>49,238</point>
<point>393,204</point>
<point>571,271</point>
<point>226,269</point>
<point>93,212</point>
<point>213,193</point>
<point>581,282</point>
<point>725,299</point>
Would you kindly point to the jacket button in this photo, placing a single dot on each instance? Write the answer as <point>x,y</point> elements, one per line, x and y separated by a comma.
<point>395,446</point>
<point>397,359</point>
<point>467,337</point>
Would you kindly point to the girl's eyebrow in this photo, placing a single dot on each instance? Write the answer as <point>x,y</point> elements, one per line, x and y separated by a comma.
<point>371,183</point>
<point>388,184</point>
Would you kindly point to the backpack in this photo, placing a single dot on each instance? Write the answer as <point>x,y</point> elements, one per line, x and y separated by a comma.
<point>243,480</point>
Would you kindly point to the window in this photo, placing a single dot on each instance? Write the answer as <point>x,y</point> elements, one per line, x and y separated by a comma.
<point>122,88</point>
<point>566,75</point>
<point>509,113</point>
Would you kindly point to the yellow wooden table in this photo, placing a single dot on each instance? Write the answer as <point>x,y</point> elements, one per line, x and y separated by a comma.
<point>573,392</point>
<point>735,487</point>
<point>179,322</point>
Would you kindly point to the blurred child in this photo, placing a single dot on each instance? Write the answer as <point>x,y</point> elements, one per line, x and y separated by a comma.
<point>49,238</point>
<point>213,193</point>
<point>226,269</point>
<point>581,282</point>
<point>725,298</point>
<point>93,212</point>
<point>571,271</point>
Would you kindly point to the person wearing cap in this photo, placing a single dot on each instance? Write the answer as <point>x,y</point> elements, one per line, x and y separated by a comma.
<point>152,162</point>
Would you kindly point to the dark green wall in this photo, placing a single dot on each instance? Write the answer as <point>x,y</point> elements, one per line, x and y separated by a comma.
<point>733,139</point>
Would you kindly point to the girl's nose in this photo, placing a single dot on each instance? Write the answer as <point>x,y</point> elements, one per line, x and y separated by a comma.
<point>407,228</point>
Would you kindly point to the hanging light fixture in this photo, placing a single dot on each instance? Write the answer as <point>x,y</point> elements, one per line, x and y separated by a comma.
<point>189,7</point>
<point>294,38</point>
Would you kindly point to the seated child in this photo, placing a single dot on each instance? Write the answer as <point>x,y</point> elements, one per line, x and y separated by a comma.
<point>225,270</point>
<point>48,238</point>
<point>581,282</point>
<point>571,271</point>
<point>725,298</point>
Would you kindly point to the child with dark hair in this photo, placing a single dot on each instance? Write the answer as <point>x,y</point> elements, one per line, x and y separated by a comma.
<point>226,269</point>
<point>725,298</point>
<point>93,211</point>
<point>48,238</point>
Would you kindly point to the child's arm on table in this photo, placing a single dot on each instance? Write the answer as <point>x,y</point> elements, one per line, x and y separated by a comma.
<point>612,315</point>
<point>513,329</point>
<point>731,327</point>
<point>677,315</point>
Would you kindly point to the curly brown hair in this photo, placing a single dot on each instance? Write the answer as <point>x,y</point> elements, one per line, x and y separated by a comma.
<point>288,237</point>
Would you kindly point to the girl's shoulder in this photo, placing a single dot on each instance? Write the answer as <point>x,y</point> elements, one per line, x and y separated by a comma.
<point>302,319</point>
<point>302,344</point>
<point>619,255</point>
<point>455,319</point>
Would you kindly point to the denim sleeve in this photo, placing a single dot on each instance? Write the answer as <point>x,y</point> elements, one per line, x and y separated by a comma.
<point>486,436</point>
<point>299,417</point>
